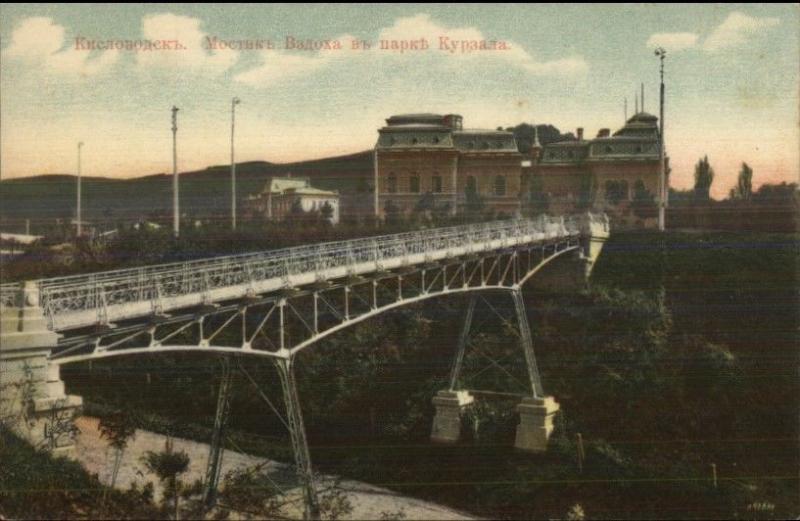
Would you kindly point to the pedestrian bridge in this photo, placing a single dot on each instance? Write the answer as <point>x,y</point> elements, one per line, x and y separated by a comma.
<point>277,303</point>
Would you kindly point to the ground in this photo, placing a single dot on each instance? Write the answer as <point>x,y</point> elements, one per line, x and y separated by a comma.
<point>369,502</point>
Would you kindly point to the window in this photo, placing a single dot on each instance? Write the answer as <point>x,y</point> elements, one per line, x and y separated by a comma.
<point>436,184</point>
<point>616,191</point>
<point>472,184</point>
<point>413,184</point>
<point>500,185</point>
<point>391,184</point>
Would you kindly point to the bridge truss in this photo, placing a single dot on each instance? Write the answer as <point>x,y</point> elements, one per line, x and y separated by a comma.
<point>276,304</point>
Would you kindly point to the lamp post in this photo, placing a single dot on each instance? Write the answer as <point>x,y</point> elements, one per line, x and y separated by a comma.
<point>78,212</point>
<point>661,53</point>
<point>235,101</point>
<point>176,221</point>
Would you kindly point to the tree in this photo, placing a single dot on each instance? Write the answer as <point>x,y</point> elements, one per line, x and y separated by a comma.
<point>118,429</point>
<point>744,186</point>
<point>326,212</point>
<point>168,465</point>
<point>703,177</point>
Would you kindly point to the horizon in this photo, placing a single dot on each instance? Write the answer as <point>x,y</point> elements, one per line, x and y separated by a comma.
<point>731,74</point>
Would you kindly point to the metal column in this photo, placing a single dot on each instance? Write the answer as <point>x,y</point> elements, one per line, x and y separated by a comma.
<point>297,433</point>
<point>462,342</point>
<point>527,344</point>
<point>217,448</point>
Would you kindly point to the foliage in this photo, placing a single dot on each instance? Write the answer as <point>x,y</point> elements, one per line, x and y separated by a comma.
<point>703,177</point>
<point>34,485</point>
<point>118,428</point>
<point>744,186</point>
<point>247,490</point>
<point>167,465</point>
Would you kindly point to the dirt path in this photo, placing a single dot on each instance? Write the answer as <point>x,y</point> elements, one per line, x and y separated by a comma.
<point>369,502</point>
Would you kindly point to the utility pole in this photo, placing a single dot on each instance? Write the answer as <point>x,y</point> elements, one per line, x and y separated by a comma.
<point>176,218</point>
<point>235,101</point>
<point>662,177</point>
<point>78,212</point>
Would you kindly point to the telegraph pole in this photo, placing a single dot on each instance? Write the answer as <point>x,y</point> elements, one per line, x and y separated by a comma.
<point>78,213</point>
<point>662,178</point>
<point>176,219</point>
<point>235,101</point>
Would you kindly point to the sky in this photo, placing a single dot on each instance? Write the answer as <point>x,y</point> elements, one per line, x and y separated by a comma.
<point>732,82</point>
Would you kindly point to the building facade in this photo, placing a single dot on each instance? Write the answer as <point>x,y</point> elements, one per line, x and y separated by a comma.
<point>430,162</point>
<point>616,173</point>
<point>283,197</point>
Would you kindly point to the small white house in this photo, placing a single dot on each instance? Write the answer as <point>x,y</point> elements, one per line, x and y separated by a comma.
<point>284,195</point>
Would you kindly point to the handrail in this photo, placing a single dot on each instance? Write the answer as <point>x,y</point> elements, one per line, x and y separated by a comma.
<point>86,292</point>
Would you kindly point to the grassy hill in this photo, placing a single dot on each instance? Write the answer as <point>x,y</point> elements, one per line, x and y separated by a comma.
<point>203,193</point>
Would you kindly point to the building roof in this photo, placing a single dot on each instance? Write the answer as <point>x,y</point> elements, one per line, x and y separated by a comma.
<point>637,140</point>
<point>293,185</point>
<point>442,132</point>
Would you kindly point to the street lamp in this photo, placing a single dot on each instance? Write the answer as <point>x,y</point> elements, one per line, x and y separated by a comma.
<point>176,222</point>
<point>78,213</point>
<point>235,101</point>
<point>661,53</point>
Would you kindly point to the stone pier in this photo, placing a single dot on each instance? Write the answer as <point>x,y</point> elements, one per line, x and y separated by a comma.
<point>33,403</point>
<point>536,417</point>
<point>447,422</point>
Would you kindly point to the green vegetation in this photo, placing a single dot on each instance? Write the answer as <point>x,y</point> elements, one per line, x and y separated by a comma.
<point>680,358</point>
<point>34,485</point>
<point>703,177</point>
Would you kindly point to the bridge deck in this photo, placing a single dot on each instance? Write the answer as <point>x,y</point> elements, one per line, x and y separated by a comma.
<point>101,298</point>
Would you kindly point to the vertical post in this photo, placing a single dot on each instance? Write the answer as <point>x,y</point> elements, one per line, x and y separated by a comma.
<point>527,344</point>
<point>78,214</point>
<point>454,211</point>
<point>235,101</point>
<point>217,448</point>
<point>176,225</point>
<point>375,182</point>
<point>662,174</point>
<point>462,342</point>
<point>297,433</point>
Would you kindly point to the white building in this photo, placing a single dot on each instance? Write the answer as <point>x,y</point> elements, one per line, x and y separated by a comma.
<point>284,196</point>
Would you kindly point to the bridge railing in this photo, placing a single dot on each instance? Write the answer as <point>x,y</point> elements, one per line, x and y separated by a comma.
<point>98,291</point>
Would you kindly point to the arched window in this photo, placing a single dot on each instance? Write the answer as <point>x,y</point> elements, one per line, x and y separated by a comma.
<point>391,184</point>
<point>500,185</point>
<point>436,184</point>
<point>413,184</point>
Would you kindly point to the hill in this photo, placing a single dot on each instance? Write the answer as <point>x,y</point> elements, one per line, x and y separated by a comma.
<point>204,193</point>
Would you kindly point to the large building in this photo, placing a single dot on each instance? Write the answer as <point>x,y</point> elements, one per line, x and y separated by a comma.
<point>429,161</point>
<point>616,173</point>
<point>425,161</point>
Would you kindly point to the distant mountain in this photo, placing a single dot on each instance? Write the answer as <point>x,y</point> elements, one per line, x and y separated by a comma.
<point>203,193</point>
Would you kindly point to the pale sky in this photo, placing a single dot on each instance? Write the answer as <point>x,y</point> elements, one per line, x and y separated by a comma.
<point>732,81</point>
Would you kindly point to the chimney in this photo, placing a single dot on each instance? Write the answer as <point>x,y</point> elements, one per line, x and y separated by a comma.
<point>604,132</point>
<point>580,133</point>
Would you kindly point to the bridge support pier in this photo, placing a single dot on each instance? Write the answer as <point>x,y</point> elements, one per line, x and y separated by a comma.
<point>297,432</point>
<point>450,404</point>
<point>33,403</point>
<point>536,412</point>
